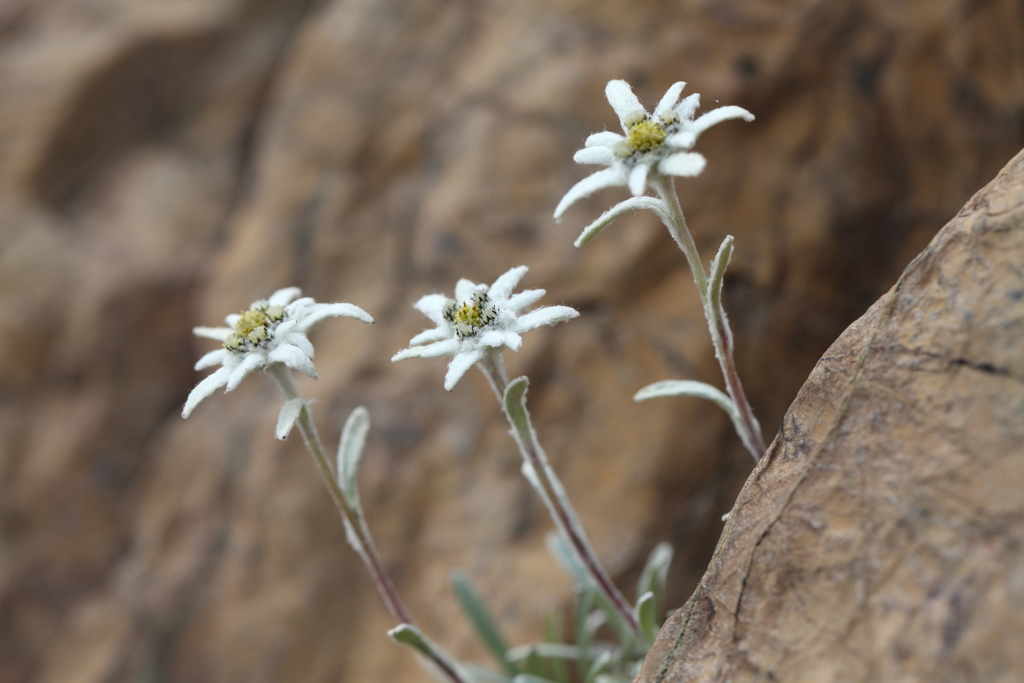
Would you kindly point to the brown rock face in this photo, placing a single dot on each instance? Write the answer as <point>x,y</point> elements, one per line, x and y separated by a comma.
<point>165,163</point>
<point>882,537</point>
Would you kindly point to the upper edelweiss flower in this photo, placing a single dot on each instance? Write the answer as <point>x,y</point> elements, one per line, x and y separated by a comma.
<point>271,331</point>
<point>653,143</point>
<point>479,320</point>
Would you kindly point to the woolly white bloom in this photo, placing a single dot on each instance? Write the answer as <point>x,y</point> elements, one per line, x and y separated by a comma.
<point>653,144</point>
<point>480,320</point>
<point>272,331</point>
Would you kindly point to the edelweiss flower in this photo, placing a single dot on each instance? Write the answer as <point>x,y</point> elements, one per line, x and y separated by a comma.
<point>271,331</point>
<point>480,320</point>
<point>657,143</point>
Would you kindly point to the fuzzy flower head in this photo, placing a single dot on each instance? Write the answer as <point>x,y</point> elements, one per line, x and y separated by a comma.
<point>652,144</point>
<point>478,321</point>
<point>271,331</point>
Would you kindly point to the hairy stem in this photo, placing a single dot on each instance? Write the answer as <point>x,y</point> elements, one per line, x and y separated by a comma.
<point>358,532</point>
<point>718,324</point>
<point>553,493</point>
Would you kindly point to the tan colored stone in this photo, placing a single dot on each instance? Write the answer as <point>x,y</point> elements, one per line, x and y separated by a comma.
<point>881,539</point>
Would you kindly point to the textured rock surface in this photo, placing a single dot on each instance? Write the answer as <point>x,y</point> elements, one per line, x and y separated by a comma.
<point>882,538</point>
<point>164,163</point>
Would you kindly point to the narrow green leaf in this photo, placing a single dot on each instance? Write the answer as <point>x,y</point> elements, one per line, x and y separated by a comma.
<point>545,650</point>
<point>566,558</point>
<point>646,614</point>
<point>685,387</point>
<point>655,574</point>
<point>584,633</point>
<point>598,666</point>
<point>632,204</point>
<point>286,418</point>
<point>552,636</point>
<point>515,409</point>
<point>594,621</point>
<point>410,636</point>
<point>717,274</point>
<point>532,665</point>
<point>522,431</point>
<point>482,674</point>
<point>483,622</point>
<point>350,450</point>
<point>611,678</point>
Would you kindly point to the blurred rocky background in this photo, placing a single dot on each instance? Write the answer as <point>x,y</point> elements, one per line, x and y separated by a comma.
<point>165,163</point>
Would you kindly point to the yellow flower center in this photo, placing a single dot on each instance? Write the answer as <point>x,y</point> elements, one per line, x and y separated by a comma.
<point>646,135</point>
<point>467,318</point>
<point>250,322</point>
<point>468,314</point>
<point>252,325</point>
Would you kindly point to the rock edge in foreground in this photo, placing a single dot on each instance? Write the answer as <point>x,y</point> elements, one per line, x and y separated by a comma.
<point>882,537</point>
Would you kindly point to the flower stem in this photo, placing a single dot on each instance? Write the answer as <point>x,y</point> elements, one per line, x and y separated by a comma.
<point>718,324</point>
<point>358,533</point>
<point>553,494</point>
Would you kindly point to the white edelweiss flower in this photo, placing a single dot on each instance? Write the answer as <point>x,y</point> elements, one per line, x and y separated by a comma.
<point>272,331</point>
<point>480,320</point>
<point>653,144</point>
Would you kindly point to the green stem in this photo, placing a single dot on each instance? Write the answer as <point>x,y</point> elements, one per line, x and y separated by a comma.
<point>553,493</point>
<point>718,324</point>
<point>355,525</point>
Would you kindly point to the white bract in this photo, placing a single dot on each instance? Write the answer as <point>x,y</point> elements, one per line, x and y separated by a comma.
<point>653,145</point>
<point>272,331</point>
<point>480,320</point>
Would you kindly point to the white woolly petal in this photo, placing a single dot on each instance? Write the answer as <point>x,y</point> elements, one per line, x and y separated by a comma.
<point>684,139</point>
<point>624,102</point>
<point>445,347</point>
<point>252,360</point>
<point>285,328</point>
<point>523,299</point>
<point>293,357</point>
<point>718,115</point>
<point>671,96</point>
<point>513,340</point>
<point>631,204</point>
<point>503,286</point>
<point>688,106</point>
<point>465,289</point>
<point>431,306</point>
<point>501,338</point>
<point>207,386</point>
<point>638,179</point>
<point>594,155</point>
<point>216,357</point>
<point>546,315</point>
<point>605,138</point>
<point>231,319</point>
<point>287,417</point>
<point>304,302</point>
<point>283,297</point>
<point>459,365</point>
<point>431,335</point>
<point>300,308</point>
<point>683,164</point>
<point>492,338</point>
<point>607,177</point>
<point>297,339</point>
<point>218,333</point>
<point>323,311</point>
